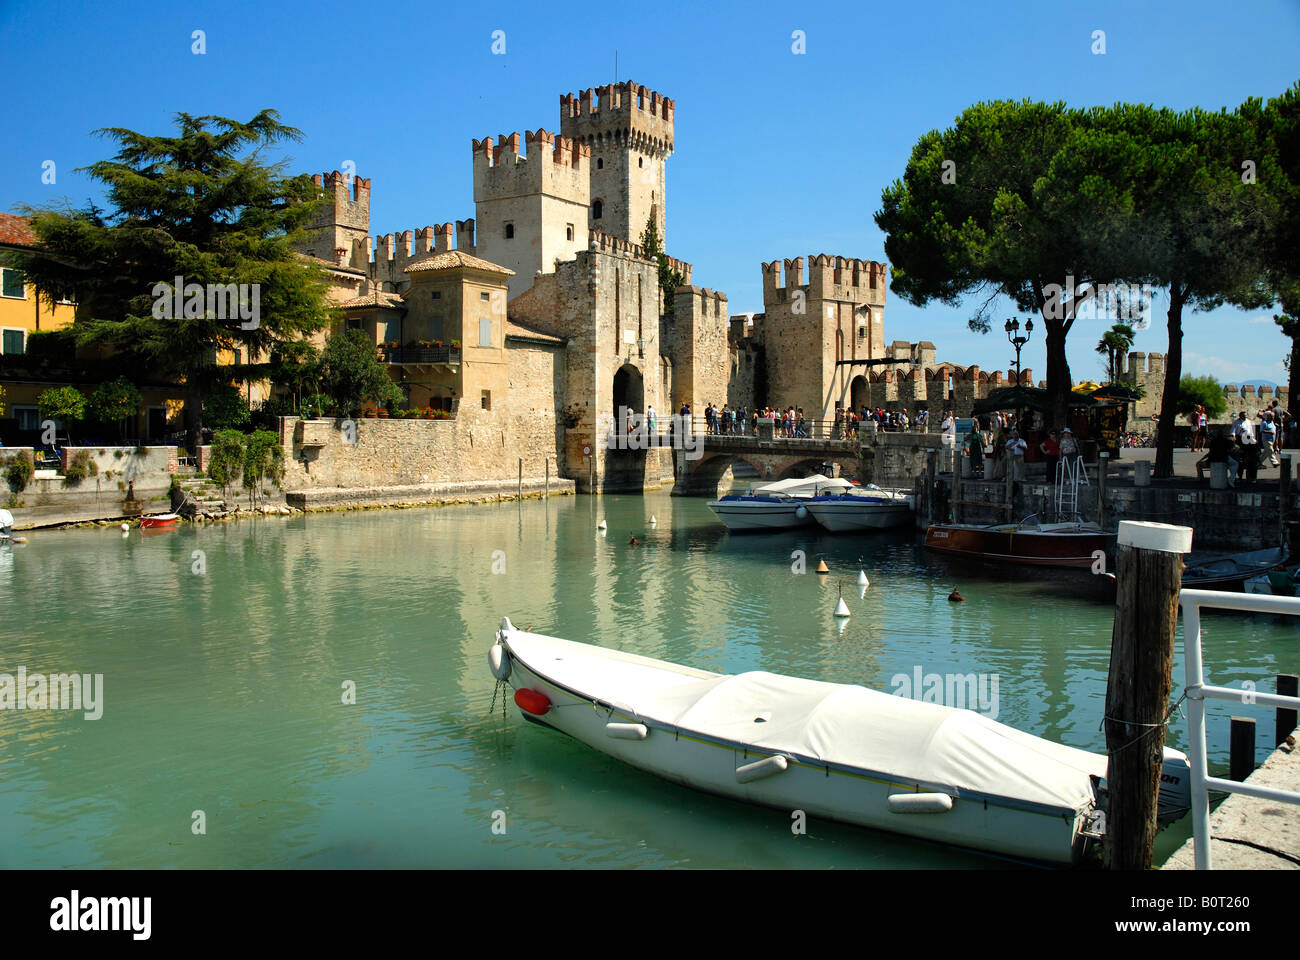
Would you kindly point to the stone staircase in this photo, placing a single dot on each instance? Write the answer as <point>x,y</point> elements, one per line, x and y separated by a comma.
<point>204,497</point>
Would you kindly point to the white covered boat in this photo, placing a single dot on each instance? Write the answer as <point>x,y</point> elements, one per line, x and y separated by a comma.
<point>775,506</point>
<point>837,751</point>
<point>861,508</point>
<point>6,525</point>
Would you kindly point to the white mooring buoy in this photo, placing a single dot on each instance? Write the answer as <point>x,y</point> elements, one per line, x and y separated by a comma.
<point>126,528</point>
<point>602,525</point>
<point>841,608</point>
<point>862,579</point>
<point>653,521</point>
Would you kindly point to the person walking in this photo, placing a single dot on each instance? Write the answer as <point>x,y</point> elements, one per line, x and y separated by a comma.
<point>1243,432</point>
<point>1268,439</point>
<point>1016,448</point>
<point>975,450</point>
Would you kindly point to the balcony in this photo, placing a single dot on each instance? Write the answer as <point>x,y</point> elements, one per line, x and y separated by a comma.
<point>422,355</point>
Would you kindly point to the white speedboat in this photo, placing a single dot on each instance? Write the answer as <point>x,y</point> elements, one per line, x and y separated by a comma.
<point>6,525</point>
<point>861,508</point>
<point>832,750</point>
<point>774,506</point>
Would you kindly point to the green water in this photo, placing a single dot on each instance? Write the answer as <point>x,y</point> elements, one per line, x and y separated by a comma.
<point>223,689</point>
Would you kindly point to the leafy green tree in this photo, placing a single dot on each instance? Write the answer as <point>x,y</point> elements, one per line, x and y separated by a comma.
<point>226,408</point>
<point>263,463</point>
<point>226,458</point>
<point>669,279</point>
<point>202,205</point>
<point>295,365</point>
<point>992,206</point>
<point>350,373</point>
<point>1190,223</point>
<point>1114,345</point>
<point>115,402</point>
<point>1205,391</point>
<point>65,404</point>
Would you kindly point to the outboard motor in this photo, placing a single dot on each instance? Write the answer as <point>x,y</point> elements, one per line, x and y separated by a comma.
<point>1175,796</point>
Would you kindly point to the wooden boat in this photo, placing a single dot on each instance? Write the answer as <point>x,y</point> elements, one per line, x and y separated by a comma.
<point>834,750</point>
<point>159,521</point>
<point>861,508</point>
<point>1283,582</point>
<point>1233,570</point>
<point>774,506</point>
<point>1069,544</point>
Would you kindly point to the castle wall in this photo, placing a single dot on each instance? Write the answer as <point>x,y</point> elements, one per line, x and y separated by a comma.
<point>695,336</point>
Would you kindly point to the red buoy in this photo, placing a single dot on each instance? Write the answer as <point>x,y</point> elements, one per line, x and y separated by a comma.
<point>530,701</point>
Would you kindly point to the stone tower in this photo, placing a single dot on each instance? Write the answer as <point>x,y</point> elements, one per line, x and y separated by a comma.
<point>839,314</point>
<point>335,230</point>
<point>629,131</point>
<point>531,208</point>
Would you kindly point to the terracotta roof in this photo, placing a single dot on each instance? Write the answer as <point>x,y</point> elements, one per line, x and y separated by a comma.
<point>525,331</point>
<point>453,259</point>
<point>391,301</point>
<point>17,231</point>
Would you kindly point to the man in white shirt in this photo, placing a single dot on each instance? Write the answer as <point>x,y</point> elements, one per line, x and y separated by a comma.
<point>1243,431</point>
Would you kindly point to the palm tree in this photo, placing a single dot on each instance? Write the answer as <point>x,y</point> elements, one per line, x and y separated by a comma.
<point>1113,346</point>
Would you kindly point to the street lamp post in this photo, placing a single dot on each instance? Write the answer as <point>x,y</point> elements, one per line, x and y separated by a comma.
<point>1013,334</point>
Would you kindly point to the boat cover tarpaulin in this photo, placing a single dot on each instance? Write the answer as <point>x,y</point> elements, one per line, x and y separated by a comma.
<point>902,740</point>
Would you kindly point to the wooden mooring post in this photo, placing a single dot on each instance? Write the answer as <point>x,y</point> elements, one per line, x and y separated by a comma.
<point>1283,500</point>
<point>931,469</point>
<point>1149,576</point>
<point>1241,748</point>
<point>1103,461</point>
<point>1288,685</point>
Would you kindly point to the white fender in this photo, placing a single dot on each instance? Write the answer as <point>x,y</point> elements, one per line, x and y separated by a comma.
<point>920,803</point>
<point>760,769</point>
<point>499,661</point>
<point>627,731</point>
<point>801,512</point>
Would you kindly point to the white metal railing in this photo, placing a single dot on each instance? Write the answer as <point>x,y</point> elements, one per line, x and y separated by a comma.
<point>1198,691</point>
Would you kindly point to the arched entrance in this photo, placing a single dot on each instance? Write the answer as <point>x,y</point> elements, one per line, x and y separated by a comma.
<point>625,467</point>
<point>858,394</point>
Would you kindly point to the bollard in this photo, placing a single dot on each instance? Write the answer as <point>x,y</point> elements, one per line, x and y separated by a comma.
<point>1288,685</point>
<point>1149,569</point>
<point>1142,473</point>
<point>1218,476</point>
<point>1241,748</point>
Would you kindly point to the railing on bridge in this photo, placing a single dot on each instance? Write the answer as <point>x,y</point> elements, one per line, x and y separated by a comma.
<point>1198,691</point>
<point>783,429</point>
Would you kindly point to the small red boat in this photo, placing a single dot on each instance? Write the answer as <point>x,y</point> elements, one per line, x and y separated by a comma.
<point>1072,544</point>
<point>159,521</point>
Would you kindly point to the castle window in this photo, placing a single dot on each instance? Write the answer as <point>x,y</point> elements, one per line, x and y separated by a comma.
<point>597,209</point>
<point>510,231</point>
<point>862,333</point>
<point>600,163</point>
<point>484,334</point>
<point>640,161</point>
<point>568,231</point>
<point>486,400</point>
<point>484,297</point>
<point>437,294</point>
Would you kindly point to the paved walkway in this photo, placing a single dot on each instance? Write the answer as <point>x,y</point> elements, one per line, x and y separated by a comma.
<point>1251,834</point>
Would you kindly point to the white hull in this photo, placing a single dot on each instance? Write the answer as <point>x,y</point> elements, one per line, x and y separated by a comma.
<point>718,761</point>
<point>760,515</point>
<point>842,516</point>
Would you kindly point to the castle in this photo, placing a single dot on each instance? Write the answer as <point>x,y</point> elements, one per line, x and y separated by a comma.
<point>533,322</point>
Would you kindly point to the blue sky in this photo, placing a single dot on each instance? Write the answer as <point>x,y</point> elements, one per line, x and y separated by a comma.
<point>778,154</point>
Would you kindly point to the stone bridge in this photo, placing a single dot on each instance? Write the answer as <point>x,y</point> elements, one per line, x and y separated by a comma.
<point>889,459</point>
<point>772,460</point>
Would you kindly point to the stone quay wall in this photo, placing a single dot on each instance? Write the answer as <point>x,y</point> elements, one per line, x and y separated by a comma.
<point>115,470</point>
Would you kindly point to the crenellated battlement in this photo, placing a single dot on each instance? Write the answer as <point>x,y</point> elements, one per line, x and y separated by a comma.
<point>617,246</point>
<point>338,182</point>
<point>550,165</point>
<point>829,277</point>
<point>620,113</point>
